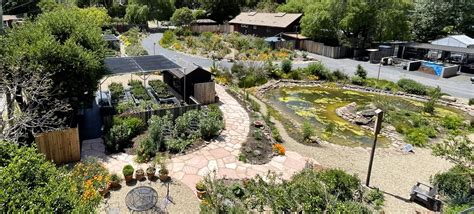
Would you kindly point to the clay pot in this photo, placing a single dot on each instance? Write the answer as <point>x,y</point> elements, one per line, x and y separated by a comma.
<point>103,191</point>
<point>200,194</point>
<point>114,184</point>
<point>128,178</point>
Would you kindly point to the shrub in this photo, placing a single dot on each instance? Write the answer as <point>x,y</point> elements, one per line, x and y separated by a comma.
<point>307,130</point>
<point>254,105</point>
<point>177,145</point>
<point>417,138</point>
<point>123,107</point>
<point>295,74</point>
<point>455,184</point>
<point>361,72</point>
<point>116,90</point>
<point>358,81</point>
<point>340,183</point>
<point>286,66</point>
<point>146,149</point>
<point>330,128</point>
<point>452,122</point>
<point>375,197</point>
<point>412,87</point>
<point>349,207</point>
<point>257,134</point>
<point>168,39</point>
<point>340,76</point>
<point>117,138</point>
<point>211,124</point>
<point>30,183</point>
<point>138,90</point>
<point>128,170</point>
<point>201,186</point>
<point>319,70</point>
<point>276,134</point>
<point>135,50</point>
<point>429,107</point>
<point>471,101</point>
<point>160,88</point>
<point>187,125</point>
<point>279,149</point>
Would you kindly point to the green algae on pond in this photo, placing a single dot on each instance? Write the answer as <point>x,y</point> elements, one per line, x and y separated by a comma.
<point>318,105</point>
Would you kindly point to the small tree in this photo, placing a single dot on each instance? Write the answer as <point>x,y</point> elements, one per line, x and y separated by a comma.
<point>307,130</point>
<point>361,72</point>
<point>286,66</point>
<point>429,107</point>
<point>457,149</point>
<point>182,17</point>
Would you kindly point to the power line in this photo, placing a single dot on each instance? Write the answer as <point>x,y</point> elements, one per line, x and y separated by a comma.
<point>19,6</point>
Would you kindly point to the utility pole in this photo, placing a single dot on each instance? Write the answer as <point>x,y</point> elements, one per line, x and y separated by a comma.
<point>378,126</point>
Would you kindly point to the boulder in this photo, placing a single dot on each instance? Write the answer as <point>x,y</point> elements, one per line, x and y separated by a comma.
<point>360,120</point>
<point>448,98</point>
<point>368,113</point>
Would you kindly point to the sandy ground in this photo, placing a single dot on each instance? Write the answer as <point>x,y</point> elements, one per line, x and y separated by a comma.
<point>125,78</point>
<point>184,199</point>
<point>393,172</point>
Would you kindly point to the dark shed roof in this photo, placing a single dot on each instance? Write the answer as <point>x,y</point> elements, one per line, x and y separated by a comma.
<point>121,65</point>
<point>179,73</point>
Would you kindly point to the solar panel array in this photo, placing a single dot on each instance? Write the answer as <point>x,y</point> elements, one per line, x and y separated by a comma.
<point>122,65</point>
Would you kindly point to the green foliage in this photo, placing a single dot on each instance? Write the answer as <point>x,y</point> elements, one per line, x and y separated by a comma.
<point>160,88</point>
<point>182,17</point>
<point>135,50</point>
<point>375,197</point>
<point>248,75</point>
<point>30,183</point>
<point>382,84</point>
<point>160,10</point>
<point>295,6</point>
<point>68,45</point>
<point>457,149</point>
<point>471,101</point>
<point>452,122</point>
<point>122,132</point>
<point>220,11</point>
<point>168,39</point>
<point>211,124</point>
<point>340,76</point>
<point>308,191</point>
<point>356,80</point>
<point>361,72</point>
<point>417,138</point>
<point>138,90</point>
<point>429,107</point>
<point>412,87</point>
<point>330,128</point>
<point>116,91</point>
<point>128,170</point>
<point>319,70</point>
<point>177,145</point>
<point>455,184</point>
<point>286,66</point>
<point>307,130</point>
<point>257,134</point>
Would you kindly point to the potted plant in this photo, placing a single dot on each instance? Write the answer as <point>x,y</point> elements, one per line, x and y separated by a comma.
<point>115,181</point>
<point>163,173</point>
<point>128,172</point>
<point>139,174</point>
<point>201,189</point>
<point>150,172</point>
<point>103,189</point>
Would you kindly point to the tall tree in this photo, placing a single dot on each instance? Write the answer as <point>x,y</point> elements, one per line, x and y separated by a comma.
<point>221,10</point>
<point>158,9</point>
<point>66,44</point>
<point>434,19</point>
<point>182,17</point>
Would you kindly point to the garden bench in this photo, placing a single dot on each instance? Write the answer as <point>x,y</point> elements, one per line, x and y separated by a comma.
<point>426,195</point>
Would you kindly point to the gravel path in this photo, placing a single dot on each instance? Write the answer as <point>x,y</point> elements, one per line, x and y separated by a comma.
<point>393,172</point>
<point>184,199</point>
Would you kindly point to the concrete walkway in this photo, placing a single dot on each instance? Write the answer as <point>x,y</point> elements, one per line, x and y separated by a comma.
<point>220,155</point>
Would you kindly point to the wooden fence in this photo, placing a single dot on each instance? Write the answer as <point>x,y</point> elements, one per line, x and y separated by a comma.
<point>225,28</point>
<point>60,146</point>
<point>205,92</point>
<point>321,49</point>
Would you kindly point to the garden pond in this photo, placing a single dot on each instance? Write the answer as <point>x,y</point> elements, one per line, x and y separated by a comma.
<point>318,105</point>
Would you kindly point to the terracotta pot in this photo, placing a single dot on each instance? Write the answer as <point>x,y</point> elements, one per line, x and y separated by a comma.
<point>139,176</point>
<point>103,191</point>
<point>128,178</point>
<point>200,194</point>
<point>150,175</point>
<point>114,184</point>
<point>164,177</point>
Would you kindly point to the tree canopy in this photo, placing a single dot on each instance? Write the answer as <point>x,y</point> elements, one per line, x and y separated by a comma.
<point>157,9</point>
<point>68,47</point>
<point>182,17</point>
<point>221,10</point>
<point>355,23</point>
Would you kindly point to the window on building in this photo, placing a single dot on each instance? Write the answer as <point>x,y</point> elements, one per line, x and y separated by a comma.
<point>244,26</point>
<point>255,27</point>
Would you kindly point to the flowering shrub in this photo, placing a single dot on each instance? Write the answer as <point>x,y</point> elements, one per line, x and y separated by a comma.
<point>279,149</point>
<point>89,176</point>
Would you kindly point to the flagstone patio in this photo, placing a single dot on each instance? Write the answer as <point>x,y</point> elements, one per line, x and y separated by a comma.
<point>219,155</point>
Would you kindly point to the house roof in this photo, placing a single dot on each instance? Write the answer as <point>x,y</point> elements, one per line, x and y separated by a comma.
<point>280,20</point>
<point>442,48</point>
<point>455,41</point>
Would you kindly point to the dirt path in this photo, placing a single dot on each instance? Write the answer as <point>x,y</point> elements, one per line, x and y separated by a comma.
<point>393,172</point>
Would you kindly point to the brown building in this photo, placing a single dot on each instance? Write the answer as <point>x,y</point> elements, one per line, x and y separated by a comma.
<point>266,24</point>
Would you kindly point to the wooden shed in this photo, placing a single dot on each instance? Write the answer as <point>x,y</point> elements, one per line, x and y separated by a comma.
<point>196,82</point>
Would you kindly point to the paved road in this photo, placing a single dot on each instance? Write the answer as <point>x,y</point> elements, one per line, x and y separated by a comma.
<point>459,86</point>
